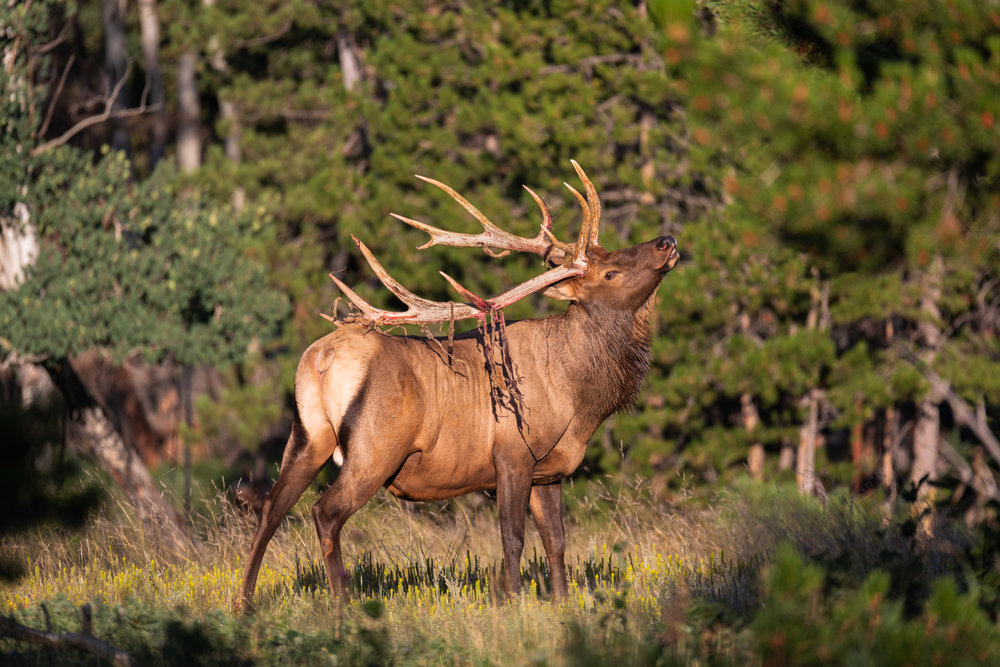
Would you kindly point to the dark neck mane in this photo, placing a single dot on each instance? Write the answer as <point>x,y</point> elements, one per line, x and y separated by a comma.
<point>610,357</point>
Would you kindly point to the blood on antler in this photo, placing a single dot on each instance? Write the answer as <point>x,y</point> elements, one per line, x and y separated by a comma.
<point>568,261</point>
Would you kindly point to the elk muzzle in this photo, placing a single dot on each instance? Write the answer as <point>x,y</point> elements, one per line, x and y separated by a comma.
<point>667,245</point>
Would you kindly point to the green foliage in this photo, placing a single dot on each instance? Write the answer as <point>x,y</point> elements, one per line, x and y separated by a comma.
<point>813,157</point>
<point>139,267</point>
<point>862,136</point>
<point>842,125</point>
<point>152,267</point>
<point>485,98</point>
<point>801,623</point>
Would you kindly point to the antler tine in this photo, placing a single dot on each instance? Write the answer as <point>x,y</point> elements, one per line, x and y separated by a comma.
<point>419,310</point>
<point>517,293</point>
<point>404,295</point>
<point>424,311</point>
<point>544,243</point>
<point>546,215</point>
<point>475,212</point>
<point>593,201</point>
<point>536,284</point>
<point>583,242</point>
<point>368,311</point>
<point>545,231</point>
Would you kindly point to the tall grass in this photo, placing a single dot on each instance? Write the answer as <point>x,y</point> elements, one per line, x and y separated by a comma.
<point>645,579</point>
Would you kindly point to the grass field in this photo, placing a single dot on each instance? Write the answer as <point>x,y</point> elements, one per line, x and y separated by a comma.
<point>752,577</point>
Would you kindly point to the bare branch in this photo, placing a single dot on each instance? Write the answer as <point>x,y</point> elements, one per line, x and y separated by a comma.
<point>55,97</point>
<point>105,115</point>
<point>964,414</point>
<point>42,49</point>
<point>266,39</point>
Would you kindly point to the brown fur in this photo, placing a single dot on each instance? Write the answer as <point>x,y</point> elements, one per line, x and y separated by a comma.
<point>402,416</point>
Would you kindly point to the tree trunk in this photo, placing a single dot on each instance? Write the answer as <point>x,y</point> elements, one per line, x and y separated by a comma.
<point>890,431</point>
<point>149,24</point>
<point>805,468</point>
<point>91,432</point>
<point>350,69</point>
<point>926,443</point>
<point>18,241</point>
<point>805,460</point>
<point>188,114</point>
<point>927,429</point>
<point>751,418</point>
<point>787,457</point>
<point>889,444</point>
<point>862,452</point>
<point>228,114</point>
<point>115,68</point>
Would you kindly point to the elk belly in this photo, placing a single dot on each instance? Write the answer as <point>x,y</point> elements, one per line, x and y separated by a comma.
<point>443,472</point>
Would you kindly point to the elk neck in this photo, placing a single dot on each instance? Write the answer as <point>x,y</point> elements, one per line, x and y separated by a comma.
<point>607,354</point>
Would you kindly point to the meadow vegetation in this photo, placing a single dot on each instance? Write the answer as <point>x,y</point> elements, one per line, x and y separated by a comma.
<point>830,167</point>
<point>756,575</point>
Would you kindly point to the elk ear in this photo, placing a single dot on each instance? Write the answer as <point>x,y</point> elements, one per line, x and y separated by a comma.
<point>565,290</point>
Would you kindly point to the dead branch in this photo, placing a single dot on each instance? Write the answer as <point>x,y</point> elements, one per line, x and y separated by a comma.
<point>83,641</point>
<point>105,115</point>
<point>42,49</point>
<point>640,61</point>
<point>55,97</point>
<point>266,39</point>
<point>964,414</point>
<point>961,466</point>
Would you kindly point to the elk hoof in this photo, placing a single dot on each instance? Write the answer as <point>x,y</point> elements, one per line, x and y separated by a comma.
<point>241,606</point>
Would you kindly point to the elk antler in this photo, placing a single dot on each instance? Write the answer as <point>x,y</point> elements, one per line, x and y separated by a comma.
<point>570,258</point>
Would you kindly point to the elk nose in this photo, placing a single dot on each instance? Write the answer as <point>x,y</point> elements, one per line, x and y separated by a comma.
<point>665,242</point>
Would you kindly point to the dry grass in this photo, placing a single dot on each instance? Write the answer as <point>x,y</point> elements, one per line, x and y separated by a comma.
<point>635,565</point>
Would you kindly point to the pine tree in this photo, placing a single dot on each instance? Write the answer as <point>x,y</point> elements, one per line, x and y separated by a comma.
<point>133,268</point>
<point>865,136</point>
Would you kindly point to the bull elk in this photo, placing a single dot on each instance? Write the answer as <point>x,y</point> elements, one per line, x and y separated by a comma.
<point>509,408</point>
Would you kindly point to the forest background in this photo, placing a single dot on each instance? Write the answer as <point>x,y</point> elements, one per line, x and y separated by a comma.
<point>178,178</point>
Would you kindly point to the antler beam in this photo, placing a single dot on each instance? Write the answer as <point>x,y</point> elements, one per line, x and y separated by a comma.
<point>570,258</point>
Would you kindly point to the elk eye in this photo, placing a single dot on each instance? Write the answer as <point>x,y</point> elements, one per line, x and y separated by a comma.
<point>610,274</point>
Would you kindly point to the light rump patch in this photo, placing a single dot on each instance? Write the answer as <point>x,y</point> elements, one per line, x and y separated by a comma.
<point>323,397</point>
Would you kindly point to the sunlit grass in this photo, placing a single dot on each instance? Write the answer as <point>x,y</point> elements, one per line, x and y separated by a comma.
<point>431,574</point>
<point>393,554</point>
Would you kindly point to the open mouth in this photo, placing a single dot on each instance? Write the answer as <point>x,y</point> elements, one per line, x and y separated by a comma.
<point>671,260</point>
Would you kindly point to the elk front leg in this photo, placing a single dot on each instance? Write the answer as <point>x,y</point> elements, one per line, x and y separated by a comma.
<point>545,504</point>
<point>513,471</point>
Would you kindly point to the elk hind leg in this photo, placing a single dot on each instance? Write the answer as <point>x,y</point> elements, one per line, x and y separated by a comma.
<point>545,504</point>
<point>301,462</point>
<point>359,479</point>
